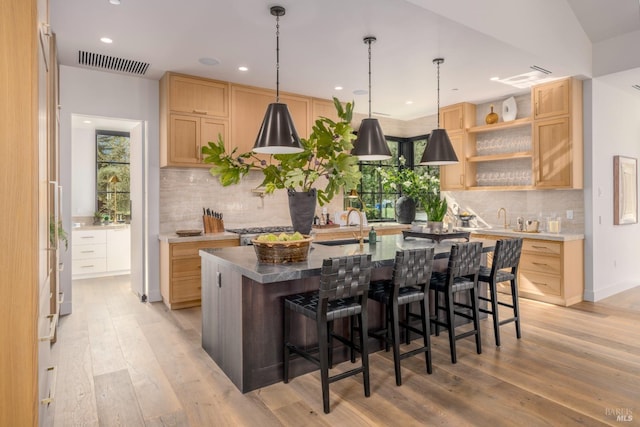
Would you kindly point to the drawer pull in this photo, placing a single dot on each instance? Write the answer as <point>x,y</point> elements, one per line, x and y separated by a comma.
<point>51,395</point>
<point>87,252</point>
<point>540,247</point>
<point>542,264</point>
<point>200,111</point>
<point>540,283</point>
<point>53,321</point>
<point>87,266</point>
<point>87,237</point>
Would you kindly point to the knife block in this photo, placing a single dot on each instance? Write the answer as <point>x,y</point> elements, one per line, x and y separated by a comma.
<point>212,225</point>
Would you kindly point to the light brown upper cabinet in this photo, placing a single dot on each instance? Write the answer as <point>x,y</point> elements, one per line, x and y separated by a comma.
<point>322,108</point>
<point>551,99</point>
<point>193,111</point>
<point>248,107</point>
<point>455,119</point>
<point>452,177</point>
<point>557,138</point>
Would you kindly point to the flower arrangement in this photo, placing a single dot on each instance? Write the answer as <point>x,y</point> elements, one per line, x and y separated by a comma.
<point>326,153</point>
<point>423,188</point>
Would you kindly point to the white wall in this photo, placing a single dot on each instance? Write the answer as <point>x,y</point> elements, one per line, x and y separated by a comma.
<point>83,166</point>
<point>97,93</point>
<point>612,251</point>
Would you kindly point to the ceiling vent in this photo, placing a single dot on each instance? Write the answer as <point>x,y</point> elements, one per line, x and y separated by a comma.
<point>636,87</point>
<point>111,63</point>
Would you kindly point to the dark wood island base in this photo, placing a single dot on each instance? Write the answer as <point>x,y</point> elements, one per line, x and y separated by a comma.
<point>242,310</point>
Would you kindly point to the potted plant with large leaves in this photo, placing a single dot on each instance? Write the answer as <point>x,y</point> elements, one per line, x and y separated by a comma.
<point>326,154</point>
<point>414,188</point>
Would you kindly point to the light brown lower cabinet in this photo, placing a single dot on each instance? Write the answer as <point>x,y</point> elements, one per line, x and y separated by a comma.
<point>180,271</point>
<point>550,271</point>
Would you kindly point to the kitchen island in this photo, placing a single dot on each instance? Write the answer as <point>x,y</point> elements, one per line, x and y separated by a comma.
<point>242,304</point>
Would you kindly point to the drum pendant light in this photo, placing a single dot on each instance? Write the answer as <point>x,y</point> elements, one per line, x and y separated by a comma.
<point>439,150</point>
<point>277,134</point>
<point>371,143</point>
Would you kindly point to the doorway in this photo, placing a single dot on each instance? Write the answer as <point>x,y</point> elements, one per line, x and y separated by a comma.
<point>87,200</point>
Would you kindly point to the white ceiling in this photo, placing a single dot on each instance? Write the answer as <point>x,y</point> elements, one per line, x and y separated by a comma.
<point>321,44</point>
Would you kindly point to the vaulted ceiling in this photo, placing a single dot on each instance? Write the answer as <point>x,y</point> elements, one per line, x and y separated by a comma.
<point>321,44</point>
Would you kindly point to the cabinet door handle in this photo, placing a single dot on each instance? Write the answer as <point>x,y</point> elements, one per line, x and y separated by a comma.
<point>200,111</point>
<point>86,237</point>
<point>542,264</point>
<point>461,179</point>
<point>87,252</point>
<point>219,279</point>
<point>53,321</point>
<point>87,266</point>
<point>53,371</point>
<point>540,283</point>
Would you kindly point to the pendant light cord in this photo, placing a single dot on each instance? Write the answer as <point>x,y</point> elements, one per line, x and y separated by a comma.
<point>438,61</point>
<point>438,110</point>
<point>369,43</point>
<point>277,58</point>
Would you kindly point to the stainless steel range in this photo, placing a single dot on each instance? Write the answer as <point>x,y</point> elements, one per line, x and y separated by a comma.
<point>250,233</point>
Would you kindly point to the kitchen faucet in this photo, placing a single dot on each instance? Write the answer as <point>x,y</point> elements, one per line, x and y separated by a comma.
<point>361,238</point>
<point>505,216</point>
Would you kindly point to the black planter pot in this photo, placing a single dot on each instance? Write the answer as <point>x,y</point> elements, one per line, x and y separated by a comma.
<point>302,208</point>
<point>405,210</point>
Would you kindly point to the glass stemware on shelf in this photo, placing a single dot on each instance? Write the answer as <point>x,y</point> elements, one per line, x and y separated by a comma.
<point>498,144</point>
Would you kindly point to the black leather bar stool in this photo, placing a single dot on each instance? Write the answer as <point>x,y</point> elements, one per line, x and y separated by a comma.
<point>504,268</point>
<point>344,283</point>
<point>461,276</point>
<point>409,283</point>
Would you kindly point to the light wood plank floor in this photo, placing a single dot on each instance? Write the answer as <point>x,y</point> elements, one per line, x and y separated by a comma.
<point>126,363</point>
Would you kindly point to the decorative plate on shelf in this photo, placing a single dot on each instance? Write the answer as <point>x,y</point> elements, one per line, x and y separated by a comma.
<point>509,109</point>
<point>187,233</point>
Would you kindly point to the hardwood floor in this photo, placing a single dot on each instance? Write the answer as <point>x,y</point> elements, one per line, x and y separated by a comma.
<point>126,363</point>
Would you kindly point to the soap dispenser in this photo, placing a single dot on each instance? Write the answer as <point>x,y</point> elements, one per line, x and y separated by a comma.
<point>372,237</point>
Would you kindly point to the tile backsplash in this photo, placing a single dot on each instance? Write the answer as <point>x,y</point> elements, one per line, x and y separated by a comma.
<point>536,204</point>
<point>184,192</point>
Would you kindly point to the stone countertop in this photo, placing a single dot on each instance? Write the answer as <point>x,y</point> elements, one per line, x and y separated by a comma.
<point>100,227</point>
<point>174,238</point>
<point>243,258</point>
<point>560,237</point>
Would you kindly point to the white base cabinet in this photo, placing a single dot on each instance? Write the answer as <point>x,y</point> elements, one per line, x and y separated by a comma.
<point>101,252</point>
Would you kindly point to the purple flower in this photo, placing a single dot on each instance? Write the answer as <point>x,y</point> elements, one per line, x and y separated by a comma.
<point>263,162</point>
<point>240,160</point>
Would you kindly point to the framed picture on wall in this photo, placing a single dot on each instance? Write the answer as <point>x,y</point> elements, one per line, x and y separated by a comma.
<point>625,190</point>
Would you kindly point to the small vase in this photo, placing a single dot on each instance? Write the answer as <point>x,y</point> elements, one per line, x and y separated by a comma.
<point>405,210</point>
<point>435,226</point>
<point>491,117</point>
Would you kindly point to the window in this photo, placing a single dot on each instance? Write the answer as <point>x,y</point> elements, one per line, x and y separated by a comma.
<point>381,206</point>
<point>112,175</point>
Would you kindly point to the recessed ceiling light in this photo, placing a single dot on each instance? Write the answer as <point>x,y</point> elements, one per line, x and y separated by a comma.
<point>208,61</point>
<point>86,121</point>
<point>338,88</point>
<point>114,1</point>
<point>106,40</point>
<point>409,102</point>
<point>493,79</point>
<point>243,68</point>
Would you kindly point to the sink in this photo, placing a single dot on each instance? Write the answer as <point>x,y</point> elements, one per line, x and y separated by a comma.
<point>340,242</point>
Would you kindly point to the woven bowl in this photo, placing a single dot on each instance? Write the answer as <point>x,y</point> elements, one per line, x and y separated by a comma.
<point>282,252</point>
